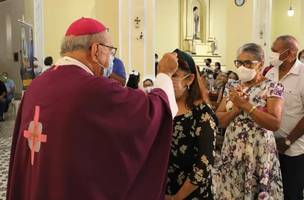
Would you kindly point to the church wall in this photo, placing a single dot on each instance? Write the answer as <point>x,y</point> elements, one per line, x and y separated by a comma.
<point>116,15</point>
<point>136,42</point>
<point>167,26</point>
<point>58,15</point>
<point>239,29</point>
<point>283,24</point>
<point>218,26</point>
<point>107,12</point>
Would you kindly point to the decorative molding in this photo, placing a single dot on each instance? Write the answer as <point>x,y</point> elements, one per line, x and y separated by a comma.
<point>120,44</point>
<point>39,30</point>
<point>145,35</point>
<point>130,35</point>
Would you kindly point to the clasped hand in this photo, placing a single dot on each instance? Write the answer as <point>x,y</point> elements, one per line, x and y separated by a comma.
<point>238,98</point>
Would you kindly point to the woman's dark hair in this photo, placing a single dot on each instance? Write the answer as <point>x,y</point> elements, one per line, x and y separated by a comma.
<point>232,72</point>
<point>133,80</point>
<point>150,80</point>
<point>194,92</point>
<point>218,64</point>
<point>48,61</point>
<point>300,53</point>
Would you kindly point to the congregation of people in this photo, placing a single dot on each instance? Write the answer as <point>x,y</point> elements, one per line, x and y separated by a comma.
<point>192,132</point>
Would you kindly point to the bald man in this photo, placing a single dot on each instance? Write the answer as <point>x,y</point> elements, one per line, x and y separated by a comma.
<point>288,70</point>
<point>82,136</point>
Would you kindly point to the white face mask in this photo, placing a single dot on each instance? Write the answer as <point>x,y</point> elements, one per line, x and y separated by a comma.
<point>274,58</point>
<point>245,74</point>
<point>36,63</point>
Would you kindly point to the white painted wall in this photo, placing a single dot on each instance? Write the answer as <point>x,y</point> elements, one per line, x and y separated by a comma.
<point>282,24</point>
<point>167,26</point>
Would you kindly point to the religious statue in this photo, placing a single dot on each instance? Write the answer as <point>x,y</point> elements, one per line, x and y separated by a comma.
<point>196,18</point>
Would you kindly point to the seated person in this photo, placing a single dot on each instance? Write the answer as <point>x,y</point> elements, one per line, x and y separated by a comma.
<point>10,89</point>
<point>2,100</point>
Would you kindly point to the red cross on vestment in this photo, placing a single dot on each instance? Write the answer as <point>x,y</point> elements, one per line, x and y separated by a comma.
<point>34,134</point>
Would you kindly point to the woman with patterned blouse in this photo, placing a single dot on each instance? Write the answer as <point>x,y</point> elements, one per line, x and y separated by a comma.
<point>251,109</point>
<point>191,157</point>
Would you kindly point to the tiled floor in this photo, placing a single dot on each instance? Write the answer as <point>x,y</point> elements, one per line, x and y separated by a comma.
<point>6,131</point>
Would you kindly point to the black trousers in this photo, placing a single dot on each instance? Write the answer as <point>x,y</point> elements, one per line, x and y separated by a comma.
<point>293,176</point>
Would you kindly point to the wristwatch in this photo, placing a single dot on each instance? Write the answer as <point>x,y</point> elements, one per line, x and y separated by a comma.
<point>287,142</point>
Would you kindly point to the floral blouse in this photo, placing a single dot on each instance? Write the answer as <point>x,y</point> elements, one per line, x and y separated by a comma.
<point>192,152</point>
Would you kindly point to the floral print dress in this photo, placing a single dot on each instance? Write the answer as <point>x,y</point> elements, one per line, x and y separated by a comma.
<point>249,168</point>
<point>192,152</point>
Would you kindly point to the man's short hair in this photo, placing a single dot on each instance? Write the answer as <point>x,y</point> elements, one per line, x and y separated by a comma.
<point>289,41</point>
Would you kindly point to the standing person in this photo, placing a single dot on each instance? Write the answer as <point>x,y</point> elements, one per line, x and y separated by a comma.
<point>232,76</point>
<point>191,158</point>
<point>290,141</point>
<point>155,63</point>
<point>148,83</point>
<point>48,62</point>
<point>217,69</point>
<point>133,80</point>
<point>301,56</point>
<point>250,111</point>
<point>118,73</point>
<point>85,136</point>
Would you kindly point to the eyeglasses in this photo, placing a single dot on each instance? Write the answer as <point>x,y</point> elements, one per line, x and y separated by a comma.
<point>113,49</point>
<point>176,78</point>
<point>245,63</point>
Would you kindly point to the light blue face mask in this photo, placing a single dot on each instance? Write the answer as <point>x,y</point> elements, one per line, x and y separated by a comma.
<point>108,71</point>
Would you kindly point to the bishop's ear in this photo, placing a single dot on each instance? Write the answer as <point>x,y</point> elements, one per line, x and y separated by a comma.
<point>94,52</point>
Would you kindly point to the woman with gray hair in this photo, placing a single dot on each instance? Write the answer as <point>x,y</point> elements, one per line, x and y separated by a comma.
<point>250,111</point>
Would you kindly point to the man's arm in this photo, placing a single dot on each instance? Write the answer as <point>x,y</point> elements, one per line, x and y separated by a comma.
<point>166,68</point>
<point>297,132</point>
<point>118,78</point>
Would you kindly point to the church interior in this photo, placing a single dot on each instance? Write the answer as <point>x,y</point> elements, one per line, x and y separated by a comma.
<point>140,29</point>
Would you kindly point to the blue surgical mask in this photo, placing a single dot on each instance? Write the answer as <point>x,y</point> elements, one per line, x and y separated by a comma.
<point>108,71</point>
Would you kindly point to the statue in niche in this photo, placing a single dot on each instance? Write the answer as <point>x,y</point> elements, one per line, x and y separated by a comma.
<point>196,19</point>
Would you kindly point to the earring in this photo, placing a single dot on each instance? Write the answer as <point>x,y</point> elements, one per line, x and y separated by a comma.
<point>188,87</point>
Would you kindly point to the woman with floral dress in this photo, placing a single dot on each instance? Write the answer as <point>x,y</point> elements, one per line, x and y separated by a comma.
<point>191,157</point>
<point>249,168</point>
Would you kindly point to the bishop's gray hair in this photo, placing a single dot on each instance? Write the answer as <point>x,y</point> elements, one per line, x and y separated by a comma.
<point>253,49</point>
<point>83,42</point>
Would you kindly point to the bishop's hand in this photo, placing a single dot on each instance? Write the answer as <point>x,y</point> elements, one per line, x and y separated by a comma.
<point>168,64</point>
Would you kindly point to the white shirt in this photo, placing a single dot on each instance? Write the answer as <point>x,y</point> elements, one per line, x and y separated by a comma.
<point>293,110</point>
<point>162,81</point>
